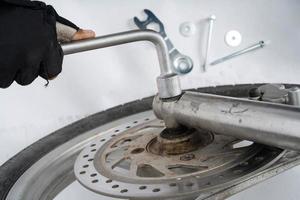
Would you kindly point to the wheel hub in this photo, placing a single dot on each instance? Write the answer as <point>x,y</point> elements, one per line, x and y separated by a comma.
<point>178,141</point>
<point>142,159</point>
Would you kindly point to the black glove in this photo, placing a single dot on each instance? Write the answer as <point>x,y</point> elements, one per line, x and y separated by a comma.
<point>28,42</point>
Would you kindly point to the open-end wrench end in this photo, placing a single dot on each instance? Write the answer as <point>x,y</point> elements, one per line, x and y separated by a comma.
<point>138,23</point>
<point>148,12</point>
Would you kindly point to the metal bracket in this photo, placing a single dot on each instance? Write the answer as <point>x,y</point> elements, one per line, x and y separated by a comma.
<point>276,93</point>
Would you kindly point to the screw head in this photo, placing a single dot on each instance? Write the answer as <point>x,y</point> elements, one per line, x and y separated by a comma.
<point>212,17</point>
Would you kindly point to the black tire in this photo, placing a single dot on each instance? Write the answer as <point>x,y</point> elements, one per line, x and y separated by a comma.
<point>16,166</point>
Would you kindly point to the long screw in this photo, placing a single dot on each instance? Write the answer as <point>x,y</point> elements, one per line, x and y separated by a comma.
<point>211,20</point>
<point>258,45</point>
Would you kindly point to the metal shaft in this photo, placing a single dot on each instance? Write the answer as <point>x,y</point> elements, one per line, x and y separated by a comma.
<point>168,82</point>
<point>259,45</point>
<point>211,20</point>
<point>267,123</point>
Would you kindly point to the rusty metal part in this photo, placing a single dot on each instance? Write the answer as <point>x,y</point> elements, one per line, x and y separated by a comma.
<point>184,141</point>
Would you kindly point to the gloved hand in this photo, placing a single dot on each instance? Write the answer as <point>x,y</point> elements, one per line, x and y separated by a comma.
<point>28,41</point>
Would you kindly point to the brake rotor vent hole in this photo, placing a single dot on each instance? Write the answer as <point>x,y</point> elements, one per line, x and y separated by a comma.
<point>189,184</point>
<point>126,140</point>
<point>137,150</point>
<point>93,175</point>
<point>142,187</point>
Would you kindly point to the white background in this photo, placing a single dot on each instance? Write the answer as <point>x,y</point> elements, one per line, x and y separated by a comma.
<point>94,81</point>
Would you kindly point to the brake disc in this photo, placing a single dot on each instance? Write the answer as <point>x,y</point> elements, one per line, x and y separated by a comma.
<point>130,162</point>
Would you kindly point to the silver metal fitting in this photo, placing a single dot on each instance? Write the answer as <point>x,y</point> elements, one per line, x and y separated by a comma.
<point>294,96</point>
<point>168,86</point>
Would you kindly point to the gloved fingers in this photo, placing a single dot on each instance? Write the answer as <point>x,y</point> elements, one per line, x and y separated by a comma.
<point>7,72</point>
<point>52,63</point>
<point>6,78</point>
<point>29,65</point>
<point>27,74</point>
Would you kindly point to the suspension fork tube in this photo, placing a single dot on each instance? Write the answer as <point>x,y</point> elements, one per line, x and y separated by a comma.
<point>168,82</point>
<point>267,123</point>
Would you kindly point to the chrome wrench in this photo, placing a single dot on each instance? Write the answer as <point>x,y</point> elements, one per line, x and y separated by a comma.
<point>182,64</point>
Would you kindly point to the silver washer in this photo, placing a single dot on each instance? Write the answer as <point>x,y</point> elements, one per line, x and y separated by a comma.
<point>233,38</point>
<point>187,29</point>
